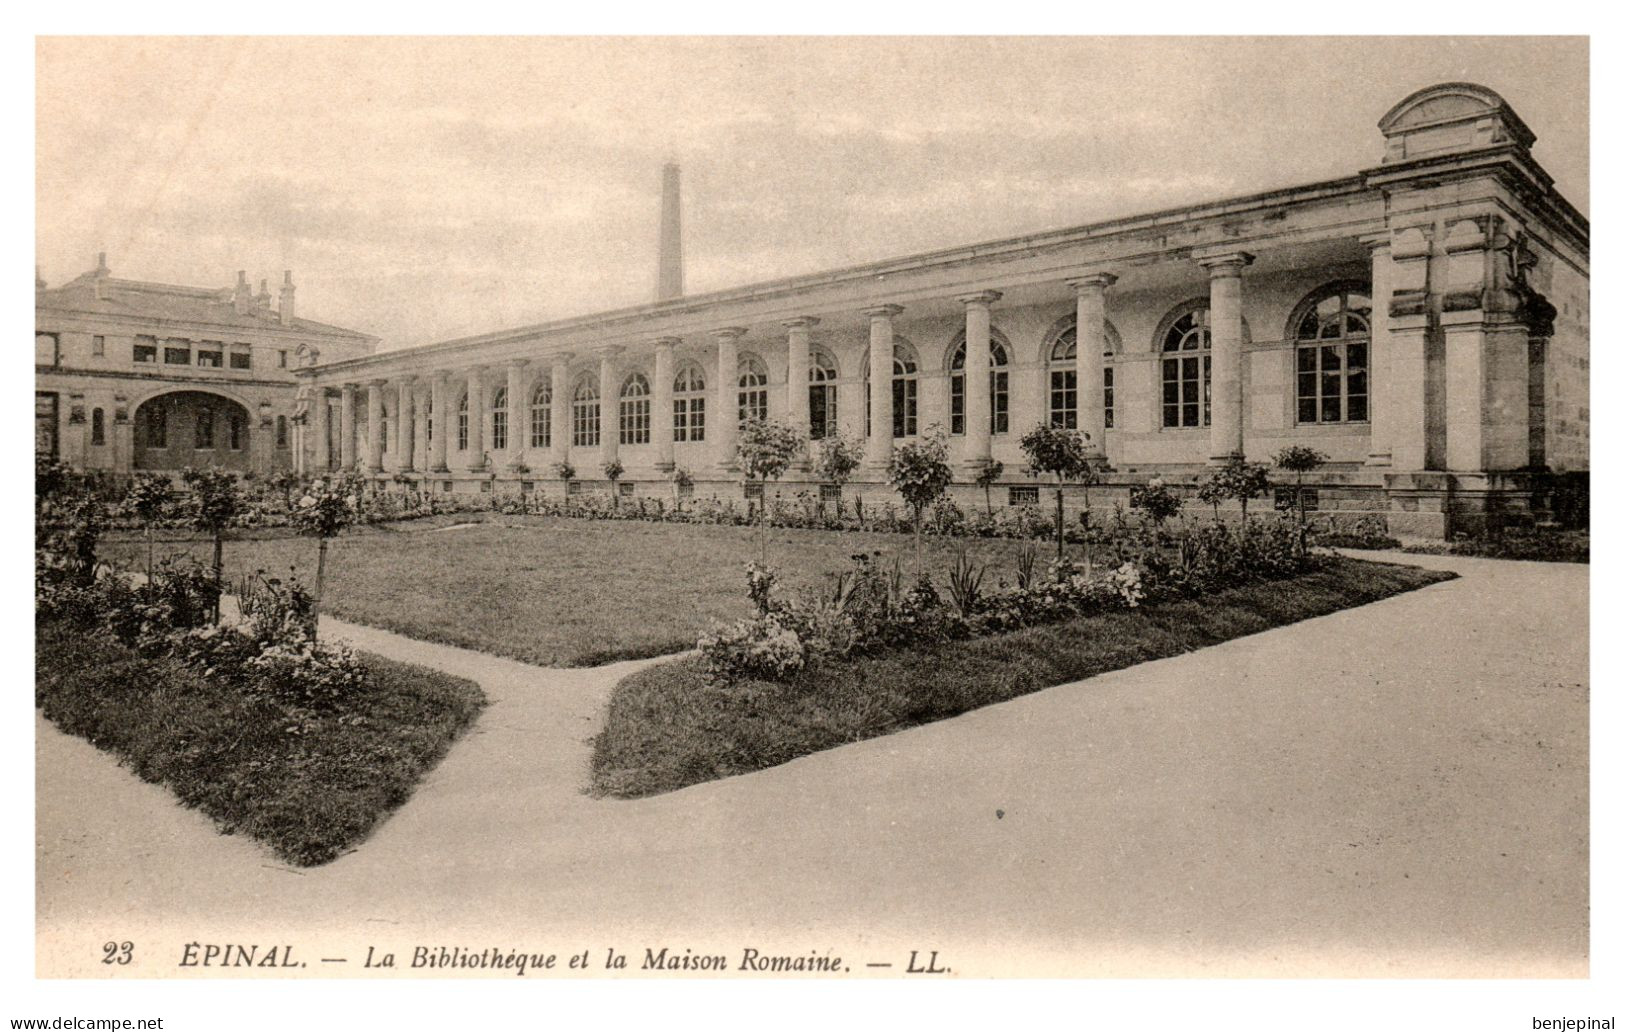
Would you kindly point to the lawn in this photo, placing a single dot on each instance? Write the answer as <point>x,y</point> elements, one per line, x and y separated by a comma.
<point>308,787</point>
<point>560,592</point>
<point>666,729</point>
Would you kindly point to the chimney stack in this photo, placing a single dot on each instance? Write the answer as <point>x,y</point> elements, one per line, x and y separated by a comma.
<point>262,300</point>
<point>242,294</point>
<point>102,272</point>
<point>285,303</point>
<point>670,284</point>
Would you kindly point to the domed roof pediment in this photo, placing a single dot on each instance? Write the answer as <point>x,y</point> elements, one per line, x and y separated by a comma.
<point>1449,117</point>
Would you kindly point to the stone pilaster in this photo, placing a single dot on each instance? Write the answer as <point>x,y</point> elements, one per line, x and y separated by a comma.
<point>661,418</point>
<point>1091,356</point>
<point>1486,357</point>
<point>322,460</point>
<point>881,336</point>
<point>1410,408</point>
<point>1379,403</point>
<point>1224,308</point>
<point>978,376</point>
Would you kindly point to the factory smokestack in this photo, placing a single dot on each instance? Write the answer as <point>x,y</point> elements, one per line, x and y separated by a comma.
<point>670,284</point>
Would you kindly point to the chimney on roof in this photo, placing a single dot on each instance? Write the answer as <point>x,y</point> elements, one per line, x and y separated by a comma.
<point>262,300</point>
<point>101,273</point>
<point>242,294</point>
<point>285,303</point>
<point>670,283</point>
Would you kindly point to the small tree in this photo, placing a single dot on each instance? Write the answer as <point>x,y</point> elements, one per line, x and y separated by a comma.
<point>1213,490</point>
<point>765,450</point>
<point>921,474</point>
<point>612,472</point>
<point>1159,501</point>
<point>215,501</point>
<point>1299,459</point>
<point>322,513</point>
<point>681,480</point>
<point>564,471</point>
<point>836,458</point>
<point>1060,453</point>
<point>986,478</point>
<point>1244,481</point>
<point>148,494</point>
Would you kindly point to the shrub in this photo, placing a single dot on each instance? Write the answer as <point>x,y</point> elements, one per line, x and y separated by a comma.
<point>759,647</point>
<point>836,458</point>
<point>274,609</point>
<point>313,674</point>
<point>920,472</point>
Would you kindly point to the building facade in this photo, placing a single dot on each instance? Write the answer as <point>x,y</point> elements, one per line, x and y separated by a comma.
<point>150,376</point>
<point>1424,323</point>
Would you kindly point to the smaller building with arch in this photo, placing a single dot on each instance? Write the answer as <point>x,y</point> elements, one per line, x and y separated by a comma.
<point>132,376</point>
<point>1423,321</point>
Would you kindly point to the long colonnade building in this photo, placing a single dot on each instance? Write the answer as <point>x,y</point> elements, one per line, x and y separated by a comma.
<point>1424,323</point>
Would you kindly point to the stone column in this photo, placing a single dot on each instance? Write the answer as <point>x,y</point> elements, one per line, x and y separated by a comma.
<point>347,427</point>
<point>518,415</point>
<point>1091,361</point>
<point>444,423</point>
<point>476,419</point>
<point>609,405</point>
<point>661,431</point>
<point>724,424</point>
<point>375,419</point>
<point>1224,307</point>
<point>796,380</point>
<point>978,376</point>
<point>323,459</point>
<point>560,373</point>
<point>880,377</point>
<point>405,426</point>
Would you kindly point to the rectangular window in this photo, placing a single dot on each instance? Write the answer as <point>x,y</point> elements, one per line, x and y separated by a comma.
<point>98,345</point>
<point>462,430</point>
<point>1023,495</point>
<point>821,414</point>
<point>956,405</point>
<point>635,420</point>
<point>572,488</point>
<point>177,356</point>
<point>1186,382</point>
<point>905,400</point>
<point>98,427</point>
<point>688,420</point>
<point>282,360</point>
<point>753,404</point>
<point>753,490</point>
<point>1001,401</point>
<point>541,425</point>
<point>45,424</point>
<point>1063,398</point>
<point>242,360</point>
<point>1286,498</point>
<point>585,423</point>
<point>146,350</point>
<point>208,359</point>
<point>1108,399</point>
<point>499,430</point>
<point>627,489</point>
<point>1332,383</point>
<point>829,492</point>
<point>282,431</point>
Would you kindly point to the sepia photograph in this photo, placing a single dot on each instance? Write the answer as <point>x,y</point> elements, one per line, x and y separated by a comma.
<point>817,508</point>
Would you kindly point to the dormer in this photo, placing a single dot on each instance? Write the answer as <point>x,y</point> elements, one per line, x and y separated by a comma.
<point>1451,118</point>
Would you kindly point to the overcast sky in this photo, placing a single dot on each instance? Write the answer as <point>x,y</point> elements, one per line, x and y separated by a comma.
<point>424,189</point>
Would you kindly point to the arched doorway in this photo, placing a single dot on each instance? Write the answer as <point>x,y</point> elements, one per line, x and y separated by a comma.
<point>191,428</point>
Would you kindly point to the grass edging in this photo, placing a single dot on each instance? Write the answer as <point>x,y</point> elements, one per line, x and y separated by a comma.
<point>307,786</point>
<point>665,729</point>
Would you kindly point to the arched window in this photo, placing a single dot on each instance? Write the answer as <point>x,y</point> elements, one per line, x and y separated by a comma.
<point>462,423</point>
<point>635,410</point>
<point>282,431</point>
<point>541,416</point>
<point>905,392</point>
<point>752,388</point>
<point>1063,379</point>
<point>1187,370</point>
<point>157,425</point>
<point>1332,328</point>
<point>98,427</point>
<point>688,405</point>
<point>584,414</point>
<point>998,388</point>
<point>821,411</point>
<point>383,429</point>
<point>204,427</point>
<point>428,417</point>
<point>499,419</point>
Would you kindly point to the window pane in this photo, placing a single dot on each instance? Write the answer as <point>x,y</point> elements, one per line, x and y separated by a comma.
<point>1306,410</point>
<point>1331,359</point>
<point>1357,408</point>
<point>1331,409</point>
<point>1356,353</point>
<point>1306,360</point>
<point>1191,415</point>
